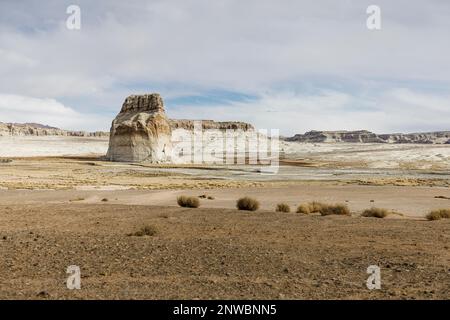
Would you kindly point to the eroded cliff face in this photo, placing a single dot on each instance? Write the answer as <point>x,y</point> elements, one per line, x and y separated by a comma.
<point>364,136</point>
<point>141,131</point>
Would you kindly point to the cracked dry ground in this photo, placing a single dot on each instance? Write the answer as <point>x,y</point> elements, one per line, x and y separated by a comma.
<point>216,253</point>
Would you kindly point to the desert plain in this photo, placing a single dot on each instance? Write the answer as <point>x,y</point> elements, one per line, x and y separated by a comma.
<point>62,204</point>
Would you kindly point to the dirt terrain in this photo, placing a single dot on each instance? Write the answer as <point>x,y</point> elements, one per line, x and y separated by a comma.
<point>216,253</point>
<point>81,210</point>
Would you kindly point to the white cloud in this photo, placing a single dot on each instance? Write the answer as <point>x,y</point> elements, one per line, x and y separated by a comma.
<point>397,110</point>
<point>21,109</point>
<point>254,47</point>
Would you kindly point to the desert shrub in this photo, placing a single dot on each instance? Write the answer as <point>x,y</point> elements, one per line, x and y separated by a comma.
<point>316,206</point>
<point>376,213</point>
<point>188,202</point>
<point>310,207</point>
<point>334,209</point>
<point>145,231</point>
<point>247,203</point>
<point>211,198</point>
<point>283,207</point>
<point>304,208</point>
<point>438,214</point>
<point>105,200</point>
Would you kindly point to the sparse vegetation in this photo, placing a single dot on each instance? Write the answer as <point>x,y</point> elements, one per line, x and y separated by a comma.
<point>5,160</point>
<point>248,204</point>
<point>146,230</point>
<point>283,207</point>
<point>105,200</point>
<point>211,198</point>
<point>188,202</point>
<point>376,213</point>
<point>438,214</point>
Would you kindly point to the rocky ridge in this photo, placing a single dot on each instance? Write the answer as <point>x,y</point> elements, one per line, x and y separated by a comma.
<point>364,136</point>
<point>35,129</point>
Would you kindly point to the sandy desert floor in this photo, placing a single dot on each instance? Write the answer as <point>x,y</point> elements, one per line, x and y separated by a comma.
<point>59,209</point>
<point>216,254</point>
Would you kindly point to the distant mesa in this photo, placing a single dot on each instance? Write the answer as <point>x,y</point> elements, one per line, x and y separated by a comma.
<point>364,136</point>
<point>36,129</point>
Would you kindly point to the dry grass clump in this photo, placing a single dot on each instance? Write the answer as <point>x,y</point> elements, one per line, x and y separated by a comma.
<point>311,207</point>
<point>188,202</point>
<point>283,207</point>
<point>248,204</point>
<point>146,230</point>
<point>376,213</point>
<point>335,209</point>
<point>439,214</point>
<point>304,208</point>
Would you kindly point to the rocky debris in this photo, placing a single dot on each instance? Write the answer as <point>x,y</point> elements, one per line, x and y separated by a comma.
<point>141,131</point>
<point>36,129</point>
<point>364,136</point>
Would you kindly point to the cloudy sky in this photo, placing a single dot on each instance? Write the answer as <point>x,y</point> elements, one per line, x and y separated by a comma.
<point>293,65</point>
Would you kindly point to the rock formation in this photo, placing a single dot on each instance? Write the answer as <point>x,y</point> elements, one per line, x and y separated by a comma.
<point>364,136</point>
<point>36,129</point>
<point>141,131</point>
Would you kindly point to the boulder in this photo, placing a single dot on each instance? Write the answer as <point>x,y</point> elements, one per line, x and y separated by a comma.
<point>141,131</point>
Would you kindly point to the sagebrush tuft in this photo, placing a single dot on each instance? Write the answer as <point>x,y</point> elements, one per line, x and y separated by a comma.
<point>304,208</point>
<point>376,213</point>
<point>145,231</point>
<point>283,207</point>
<point>188,202</point>
<point>335,209</point>
<point>248,204</point>
<point>438,214</point>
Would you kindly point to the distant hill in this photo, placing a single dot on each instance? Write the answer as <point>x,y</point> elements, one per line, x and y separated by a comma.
<point>37,129</point>
<point>364,136</point>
